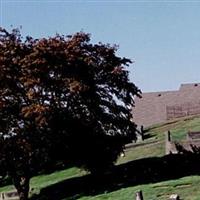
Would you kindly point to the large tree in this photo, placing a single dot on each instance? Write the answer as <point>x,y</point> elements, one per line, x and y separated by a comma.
<point>62,100</point>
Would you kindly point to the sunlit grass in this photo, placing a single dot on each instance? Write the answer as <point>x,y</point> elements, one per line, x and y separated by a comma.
<point>42,181</point>
<point>187,188</point>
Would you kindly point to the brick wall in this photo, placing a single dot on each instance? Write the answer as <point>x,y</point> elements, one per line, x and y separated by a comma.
<point>183,110</point>
<point>158,107</point>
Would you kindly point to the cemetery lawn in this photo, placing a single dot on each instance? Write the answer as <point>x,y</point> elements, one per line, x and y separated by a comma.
<point>186,187</point>
<point>153,146</point>
<point>43,181</point>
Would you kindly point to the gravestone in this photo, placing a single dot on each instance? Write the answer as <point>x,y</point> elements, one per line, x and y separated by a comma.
<point>139,195</point>
<point>168,143</point>
<point>193,135</point>
<point>11,195</point>
<point>142,132</point>
<point>168,136</point>
<point>174,197</point>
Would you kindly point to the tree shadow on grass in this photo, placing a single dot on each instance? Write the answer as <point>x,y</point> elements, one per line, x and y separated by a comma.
<point>143,171</point>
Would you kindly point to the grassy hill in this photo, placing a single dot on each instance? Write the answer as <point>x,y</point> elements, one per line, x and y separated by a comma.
<point>154,144</point>
<point>76,184</point>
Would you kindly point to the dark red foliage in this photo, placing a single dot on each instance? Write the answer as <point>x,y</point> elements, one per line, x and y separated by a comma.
<point>62,100</point>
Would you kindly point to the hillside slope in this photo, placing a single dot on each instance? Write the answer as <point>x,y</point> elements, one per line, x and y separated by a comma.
<point>154,145</point>
<point>71,180</point>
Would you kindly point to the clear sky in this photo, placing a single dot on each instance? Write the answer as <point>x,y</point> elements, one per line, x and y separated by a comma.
<point>161,37</point>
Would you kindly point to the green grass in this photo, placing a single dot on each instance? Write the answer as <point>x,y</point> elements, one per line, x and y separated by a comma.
<point>178,128</point>
<point>151,150</point>
<point>42,181</point>
<point>154,146</point>
<point>186,187</point>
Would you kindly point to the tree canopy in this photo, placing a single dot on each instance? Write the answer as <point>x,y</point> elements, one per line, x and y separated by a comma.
<point>62,100</point>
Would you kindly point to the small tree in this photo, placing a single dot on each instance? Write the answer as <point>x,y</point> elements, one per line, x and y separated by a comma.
<point>62,100</point>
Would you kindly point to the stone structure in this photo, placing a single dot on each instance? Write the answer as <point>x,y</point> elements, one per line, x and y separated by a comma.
<point>194,135</point>
<point>158,107</point>
<point>11,195</point>
<point>174,197</point>
<point>192,141</point>
<point>170,147</point>
<point>139,195</point>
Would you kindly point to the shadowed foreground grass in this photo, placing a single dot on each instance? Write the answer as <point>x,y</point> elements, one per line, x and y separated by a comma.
<point>144,168</point>
<point>157,177</point>
<point>42,181</point>
<point>186,187</point>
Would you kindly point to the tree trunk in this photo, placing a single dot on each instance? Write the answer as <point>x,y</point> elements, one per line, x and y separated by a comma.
<point>22,185</point>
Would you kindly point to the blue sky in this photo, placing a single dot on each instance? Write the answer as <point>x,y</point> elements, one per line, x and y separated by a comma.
<point>161,37</point>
